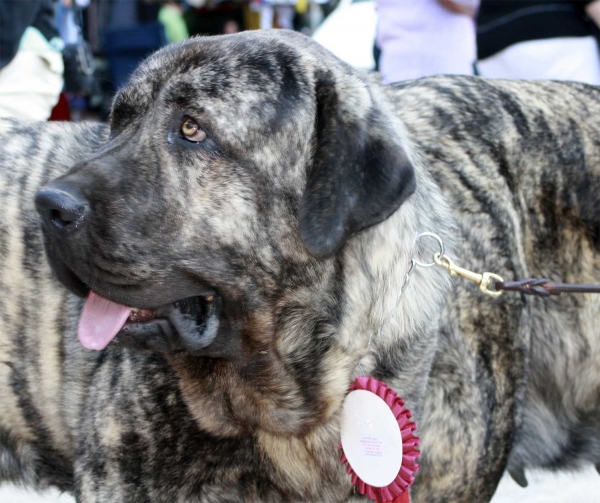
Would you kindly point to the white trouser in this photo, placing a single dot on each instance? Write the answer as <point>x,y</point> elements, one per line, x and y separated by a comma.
<point>421,37</point>
<point>568,58</point>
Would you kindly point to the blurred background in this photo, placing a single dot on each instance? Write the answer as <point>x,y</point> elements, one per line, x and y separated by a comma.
<point>102,41</point>
<point>65,59</point>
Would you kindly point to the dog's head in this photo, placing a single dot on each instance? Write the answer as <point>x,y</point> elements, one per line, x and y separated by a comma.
<point>237,169</point>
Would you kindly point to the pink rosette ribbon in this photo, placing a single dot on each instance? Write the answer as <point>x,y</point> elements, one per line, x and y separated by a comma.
<point>397,491</point>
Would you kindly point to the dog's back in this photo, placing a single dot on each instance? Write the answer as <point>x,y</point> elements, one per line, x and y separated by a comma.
<point>519,163</point>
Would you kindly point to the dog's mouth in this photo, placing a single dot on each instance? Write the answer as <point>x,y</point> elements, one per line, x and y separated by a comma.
<point>189,324</point>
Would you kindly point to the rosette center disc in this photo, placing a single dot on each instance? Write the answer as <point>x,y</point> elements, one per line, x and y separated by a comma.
<point>371,438</point>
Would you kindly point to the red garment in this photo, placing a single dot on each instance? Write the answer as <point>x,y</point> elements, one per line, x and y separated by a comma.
<point>61,111</point>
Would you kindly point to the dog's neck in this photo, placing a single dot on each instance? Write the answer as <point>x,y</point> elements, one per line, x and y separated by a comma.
<point>401,334</point>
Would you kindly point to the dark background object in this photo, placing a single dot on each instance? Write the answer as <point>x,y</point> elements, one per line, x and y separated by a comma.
<point>125,48</point>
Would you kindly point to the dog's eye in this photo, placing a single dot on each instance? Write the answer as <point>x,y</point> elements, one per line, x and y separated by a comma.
<point>191,131</point>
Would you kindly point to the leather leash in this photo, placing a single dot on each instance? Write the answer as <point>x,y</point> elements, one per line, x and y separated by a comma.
<point>529,286</point>
<point>544,287</point>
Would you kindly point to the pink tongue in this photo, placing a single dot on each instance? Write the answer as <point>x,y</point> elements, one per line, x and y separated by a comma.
<point>101,319</point>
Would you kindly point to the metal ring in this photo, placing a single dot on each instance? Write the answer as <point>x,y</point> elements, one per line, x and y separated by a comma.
<point>440,242</point>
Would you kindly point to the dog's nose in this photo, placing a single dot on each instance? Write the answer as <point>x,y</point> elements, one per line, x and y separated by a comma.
<point>62,206</point>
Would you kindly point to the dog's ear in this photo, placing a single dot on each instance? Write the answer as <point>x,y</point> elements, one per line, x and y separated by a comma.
<point>360,172</point>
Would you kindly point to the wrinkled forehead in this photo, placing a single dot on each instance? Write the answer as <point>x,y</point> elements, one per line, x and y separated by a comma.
<point>224,81</point>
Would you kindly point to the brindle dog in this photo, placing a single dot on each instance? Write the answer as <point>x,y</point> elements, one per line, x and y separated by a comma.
<point>257,201</point>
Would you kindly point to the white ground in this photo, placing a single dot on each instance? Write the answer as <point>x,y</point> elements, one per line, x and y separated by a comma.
<point>583,487</point>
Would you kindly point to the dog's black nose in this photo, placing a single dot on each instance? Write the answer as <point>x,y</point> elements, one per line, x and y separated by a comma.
<point>62,206</point>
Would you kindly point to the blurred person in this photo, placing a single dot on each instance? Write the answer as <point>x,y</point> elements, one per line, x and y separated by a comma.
<point>171,17</point>
<point>214,18</point>
<point>31,65</point>
<point>77,58</point>
<point>68,28</point>
<point>426,37</point>
<point>285,10</point>
<point>555,40</point>
<point>230,26</point>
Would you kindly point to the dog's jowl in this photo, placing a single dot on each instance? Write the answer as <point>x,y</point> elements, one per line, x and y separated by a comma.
<point>187,294</point>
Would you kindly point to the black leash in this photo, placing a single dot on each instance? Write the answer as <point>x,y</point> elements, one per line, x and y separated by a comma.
<point>529,286</point>
<point>543,287</point>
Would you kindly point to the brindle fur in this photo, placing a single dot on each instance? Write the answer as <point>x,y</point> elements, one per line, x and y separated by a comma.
<point>508,173</point>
